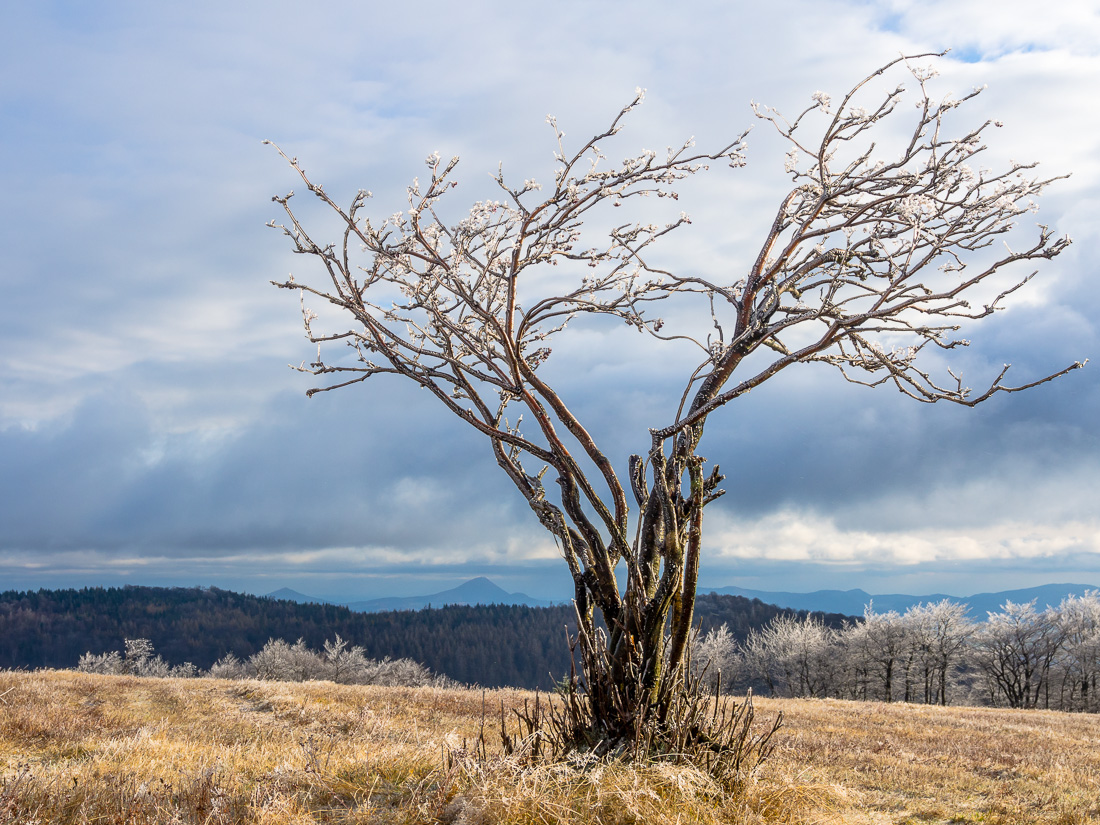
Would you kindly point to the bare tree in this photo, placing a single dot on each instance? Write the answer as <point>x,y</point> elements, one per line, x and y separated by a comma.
<point>1014,650</point>
<point>870,264</point>
<point>338,661</point>
<point>879,642</point>
<point>793,655</point>
<point>949,633</point>
<point>1078,622</point>
<point>229,667</point>
<point>346,663</point>
<point>715,657</point>
<point>855,669</point>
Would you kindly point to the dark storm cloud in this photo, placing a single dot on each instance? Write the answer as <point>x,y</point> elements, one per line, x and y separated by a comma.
<point>332,471</point>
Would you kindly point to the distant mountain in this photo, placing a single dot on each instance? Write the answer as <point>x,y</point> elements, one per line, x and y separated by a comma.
<point>289,595</point>
<point>475,591</point>
<point>852,602</point>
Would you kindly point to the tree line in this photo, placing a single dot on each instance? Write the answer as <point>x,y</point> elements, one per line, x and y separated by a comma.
<point>488,645</point>
<point>1019,657</point>
<point>932,653</point>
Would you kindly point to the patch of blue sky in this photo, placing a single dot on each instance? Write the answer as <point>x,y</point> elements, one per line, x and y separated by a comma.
<point>971,53</point>
<point>890,22</point>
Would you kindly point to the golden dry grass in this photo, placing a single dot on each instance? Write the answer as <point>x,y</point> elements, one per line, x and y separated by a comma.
<point>79,748</point>
<point>920,764</point>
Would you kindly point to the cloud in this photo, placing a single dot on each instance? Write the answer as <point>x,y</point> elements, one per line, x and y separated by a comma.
<point>984,30</point>
<point>792,536</point>
<point>305,476</point>
<point>149,426</point>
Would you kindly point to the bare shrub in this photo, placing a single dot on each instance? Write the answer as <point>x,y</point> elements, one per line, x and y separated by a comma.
<point>229,667</point>
<point>279,661</point>
<point>109,663</point>
<point>139,659</point>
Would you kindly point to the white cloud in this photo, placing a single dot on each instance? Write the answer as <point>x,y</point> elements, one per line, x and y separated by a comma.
<point>988,29</point>
<point>790,536</point>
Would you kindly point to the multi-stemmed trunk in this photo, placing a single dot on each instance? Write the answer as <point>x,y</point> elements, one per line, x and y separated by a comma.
<point>635,665</point>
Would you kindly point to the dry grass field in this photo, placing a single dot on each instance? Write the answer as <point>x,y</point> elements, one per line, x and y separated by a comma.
<point>78,748</point>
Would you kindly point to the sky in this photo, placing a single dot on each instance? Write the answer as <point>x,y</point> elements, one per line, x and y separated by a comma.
<point>151,432</point>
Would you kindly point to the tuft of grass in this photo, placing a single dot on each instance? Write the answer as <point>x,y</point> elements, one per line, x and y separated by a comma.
<point>83,748</point>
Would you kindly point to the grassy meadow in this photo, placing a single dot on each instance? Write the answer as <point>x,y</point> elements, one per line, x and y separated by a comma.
<point>82,748</point>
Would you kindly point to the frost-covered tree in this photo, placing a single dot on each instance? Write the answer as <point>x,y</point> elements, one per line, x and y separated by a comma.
<point>338,661</point>
<point>880,247</point>
<point>109,663</point>
<point>716,658</point>
<point>942,630</point>
<point>878,644</point>
<point>794,656</point>
<point>1078,662</point>
<point>139,659</point>
<point>229,667</point>
<point>345,663</point>
<point>280,661</point>
<point>1014,650</point>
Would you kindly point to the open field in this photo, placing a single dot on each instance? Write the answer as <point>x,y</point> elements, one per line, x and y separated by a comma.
<point>79,748</point>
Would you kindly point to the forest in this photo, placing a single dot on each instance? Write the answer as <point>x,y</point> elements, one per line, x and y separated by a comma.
<point>1019,656</point>
<point>930,654</point>
<point>486,645</point>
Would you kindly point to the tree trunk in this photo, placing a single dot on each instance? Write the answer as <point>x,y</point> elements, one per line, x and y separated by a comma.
<point>636,676</point>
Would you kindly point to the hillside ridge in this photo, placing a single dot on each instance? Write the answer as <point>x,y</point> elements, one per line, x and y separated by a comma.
<point>488,645</point>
